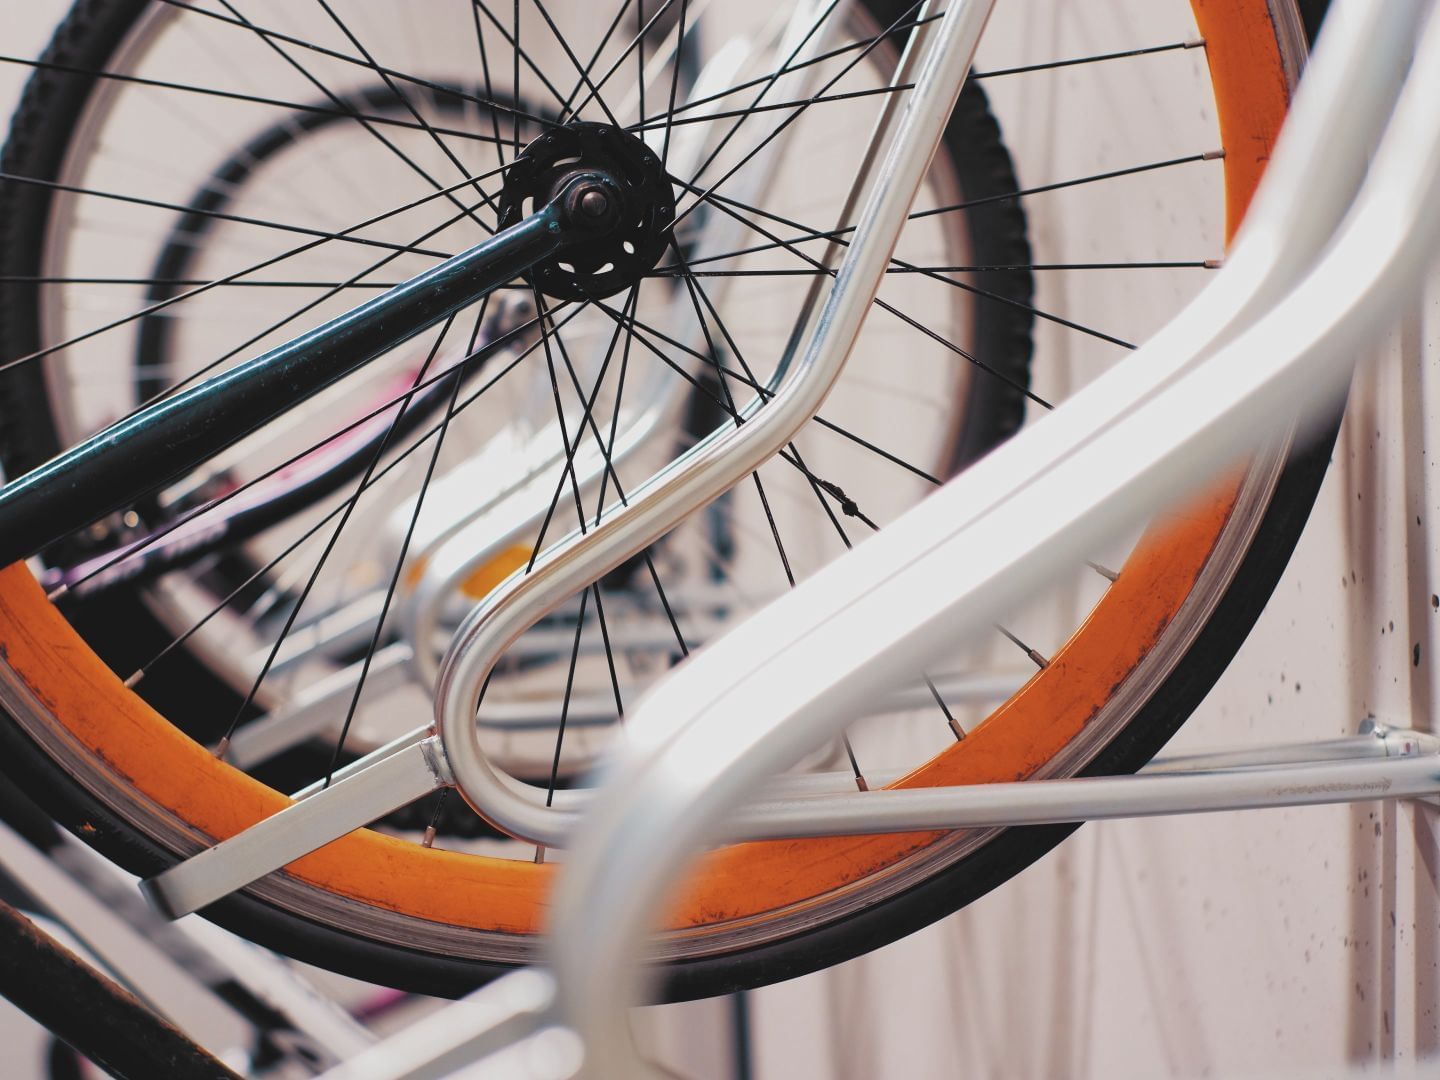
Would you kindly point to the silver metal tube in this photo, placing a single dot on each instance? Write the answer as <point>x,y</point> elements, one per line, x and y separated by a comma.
<point>299,829</point>
<point>598,980</point>
<point>1050,802</point>
<point>708,736</point>
<point>709,468</point>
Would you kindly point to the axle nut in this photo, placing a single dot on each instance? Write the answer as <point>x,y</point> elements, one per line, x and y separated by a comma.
<point>594,203</point>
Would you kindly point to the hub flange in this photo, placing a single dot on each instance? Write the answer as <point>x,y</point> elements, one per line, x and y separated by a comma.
<point>615,192</point>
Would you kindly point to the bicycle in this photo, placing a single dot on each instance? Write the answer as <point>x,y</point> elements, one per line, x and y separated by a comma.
<point>98,755</point>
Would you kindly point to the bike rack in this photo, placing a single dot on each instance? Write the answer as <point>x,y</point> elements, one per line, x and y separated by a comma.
<point>512,1024</point>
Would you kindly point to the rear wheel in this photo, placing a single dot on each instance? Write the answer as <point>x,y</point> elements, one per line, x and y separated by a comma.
<point>1108,692</point>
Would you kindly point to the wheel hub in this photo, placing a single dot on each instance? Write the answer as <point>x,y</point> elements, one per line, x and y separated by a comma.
<point>607,180</point>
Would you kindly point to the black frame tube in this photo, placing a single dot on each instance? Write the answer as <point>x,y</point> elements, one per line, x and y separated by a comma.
<point>91,1012</point>
<point>114,468</point>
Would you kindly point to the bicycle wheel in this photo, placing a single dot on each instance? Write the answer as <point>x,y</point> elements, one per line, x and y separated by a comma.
<point>54,409</point>
<point>106,762</point>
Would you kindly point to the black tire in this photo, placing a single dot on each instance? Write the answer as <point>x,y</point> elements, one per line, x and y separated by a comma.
<point>90,35</point>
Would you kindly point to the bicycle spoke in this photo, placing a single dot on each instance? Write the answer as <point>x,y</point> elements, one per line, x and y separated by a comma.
<point>1039,660</point>
<point>835,234</point>
<point>404,550</point>
<point>275,35</point>
<point>950,720</point>
<point>632,303</point>
<point>1052,65</point>
<point>726,205</point>
<point>514,57</point>
<point>413,165</point>
<point>785,123</point>
<point>817,486</point>
<point>583,70</point>
<point>545,338</point>
<point>176,283</point>
<point>512,38</point>
<point>640,56</point>
<point>674,87</point>
<point>786,69</point>
<point>235,95</point>
<point>584,79</point>
<point>1190,264</point>
<point>834,490</point>
<point>403,99</point>
<point>217,215</point>
<point>380,474</point>
<point>489,88</point>
<point>609,652</point>
<point>770,81</point>
<point>161,305</point>
<point>329,548</point>
<point>713,356</point>
<point>637,42</point>
<point>588,419</point>
<point>803,103</point>
<point>565,701</point>
<point>754,385</point>
<point>820,488</point>
<point>255,339</point>
<point>131,551</point>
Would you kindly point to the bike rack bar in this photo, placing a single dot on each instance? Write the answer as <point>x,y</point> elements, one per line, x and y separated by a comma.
<point>1249,783</point>
<point>397,780</point>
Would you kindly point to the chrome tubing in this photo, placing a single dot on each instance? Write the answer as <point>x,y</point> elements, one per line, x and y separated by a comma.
<point>717,462</point>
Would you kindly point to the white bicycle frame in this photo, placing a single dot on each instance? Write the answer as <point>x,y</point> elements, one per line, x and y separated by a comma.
<point>1336,244</point>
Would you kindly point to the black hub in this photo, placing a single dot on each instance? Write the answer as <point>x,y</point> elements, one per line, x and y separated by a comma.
<point>612,186</point>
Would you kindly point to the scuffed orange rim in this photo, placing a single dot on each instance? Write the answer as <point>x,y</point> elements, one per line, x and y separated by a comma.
<point>487,893</point>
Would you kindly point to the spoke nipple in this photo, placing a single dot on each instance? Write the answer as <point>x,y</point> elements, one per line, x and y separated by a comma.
<point>1212,155</point>
<point>957,729</point>
<point>1214,264</point>
<point>860,783</point>
<point>1197,43</point>
<point>1104,572</point>
<point>134,679</point>
<point>429,838</point>
<point>57,592</point>
<point>540,854</point>
<point>222,748</point>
